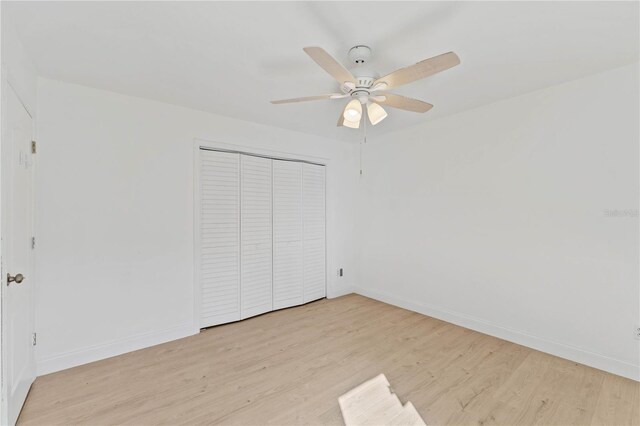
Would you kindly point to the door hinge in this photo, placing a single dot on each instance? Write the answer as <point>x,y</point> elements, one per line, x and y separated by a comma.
<point>33,147</point>
<point>34,339</point>
<point>33,243</point>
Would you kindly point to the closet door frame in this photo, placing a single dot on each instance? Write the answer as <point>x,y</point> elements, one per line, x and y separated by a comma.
<point>205,144</point>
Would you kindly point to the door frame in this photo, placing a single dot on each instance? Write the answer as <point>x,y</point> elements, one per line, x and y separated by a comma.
<point>199,143</point>
<point>6,86</point>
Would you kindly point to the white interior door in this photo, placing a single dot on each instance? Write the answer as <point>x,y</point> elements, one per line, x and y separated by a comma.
<point>313,195</point>
<point>219,248</point>
<point>287,233</point>
<point>255,236</point>
<point>18,365</point>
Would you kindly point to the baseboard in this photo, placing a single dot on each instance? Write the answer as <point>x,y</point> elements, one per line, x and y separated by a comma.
<point>582,356</point>
<point>62,361</point>
<point>342,291</point>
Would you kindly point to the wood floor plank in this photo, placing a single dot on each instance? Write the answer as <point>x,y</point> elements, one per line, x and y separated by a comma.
<point>618,402</point>
<point>288,368</point>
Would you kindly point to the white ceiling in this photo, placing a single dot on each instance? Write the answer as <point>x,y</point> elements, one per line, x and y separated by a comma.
<point>232,58</point>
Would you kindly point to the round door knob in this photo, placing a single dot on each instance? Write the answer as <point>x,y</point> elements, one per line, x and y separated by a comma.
<point>17,279</point>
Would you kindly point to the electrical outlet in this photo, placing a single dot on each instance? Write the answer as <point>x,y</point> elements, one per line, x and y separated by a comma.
<point>637,333</point>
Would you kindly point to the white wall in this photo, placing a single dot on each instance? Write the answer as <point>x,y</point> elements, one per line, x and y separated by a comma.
<point>17,68</point>
<point>494,219</point>
<point>115,217</point>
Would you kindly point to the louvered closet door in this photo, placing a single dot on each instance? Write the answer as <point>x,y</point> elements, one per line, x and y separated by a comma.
<point>287,233</point>
<point>255,236</point>
<point>313,196</point>
<point>219,237</point>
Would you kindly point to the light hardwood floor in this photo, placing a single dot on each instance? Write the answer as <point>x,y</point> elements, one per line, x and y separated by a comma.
<point>289,367</point>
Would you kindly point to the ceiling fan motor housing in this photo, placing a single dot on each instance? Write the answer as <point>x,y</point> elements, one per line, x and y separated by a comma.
<point>364,81</point>
<point>359,56</point>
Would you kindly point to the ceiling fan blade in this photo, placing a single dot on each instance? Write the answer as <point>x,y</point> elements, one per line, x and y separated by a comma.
<point>401,102</point>
<point>330,65</point>
<point>417,71</point>
<point>311,98</point>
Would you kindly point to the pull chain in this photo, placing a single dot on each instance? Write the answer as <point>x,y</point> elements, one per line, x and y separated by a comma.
<point>360,158</point>
<point>363,141</point>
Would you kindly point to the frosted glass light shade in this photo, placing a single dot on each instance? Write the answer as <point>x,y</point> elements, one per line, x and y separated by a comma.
<point>351,124</point>
<point>353,111</point>
<point>376,113</point>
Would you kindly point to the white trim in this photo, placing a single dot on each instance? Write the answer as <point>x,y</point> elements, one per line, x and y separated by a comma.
<point>196,237</point>
<point>17,92</point>
<point>343,291</point>
<point>326,246</point>
<point>62,361</point>
<point>280,155</point>
<point>582,356</point>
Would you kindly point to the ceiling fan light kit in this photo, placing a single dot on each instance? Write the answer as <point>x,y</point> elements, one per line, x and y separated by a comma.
<point>351,124</point>
<point>353,110</point>
<point>362,84</point>
<point>376,113</point>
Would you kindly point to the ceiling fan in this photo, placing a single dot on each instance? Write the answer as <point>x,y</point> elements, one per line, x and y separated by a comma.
<point>364,88</point>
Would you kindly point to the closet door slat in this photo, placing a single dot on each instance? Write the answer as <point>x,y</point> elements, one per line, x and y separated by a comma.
<point>313,195</point>
<point>256,236</point>
<point>287,234</point>
<point>220,237</point>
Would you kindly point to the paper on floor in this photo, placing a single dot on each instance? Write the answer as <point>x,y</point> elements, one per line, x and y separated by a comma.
<point>373,403</point>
